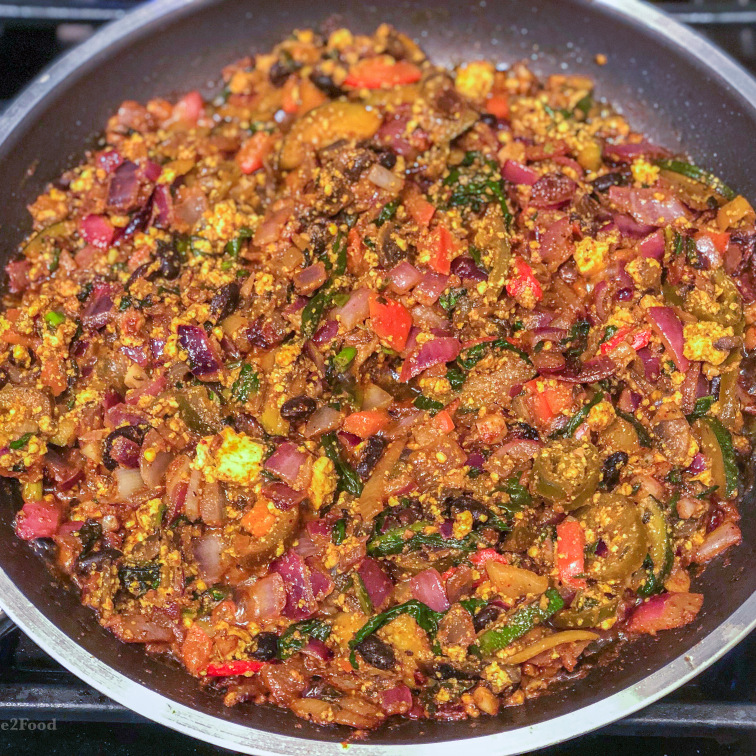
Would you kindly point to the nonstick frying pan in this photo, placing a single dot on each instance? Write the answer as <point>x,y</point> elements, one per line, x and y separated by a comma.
<point>668,81</point>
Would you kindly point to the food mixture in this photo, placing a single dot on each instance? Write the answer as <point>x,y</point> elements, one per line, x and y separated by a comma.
<point>370,388</point>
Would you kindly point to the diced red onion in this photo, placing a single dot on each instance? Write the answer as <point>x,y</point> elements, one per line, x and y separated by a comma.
<point>350,440</point>
<point>374,397</point>
<point>720,539</point>
<point>664,612</point>
<point>109,160</point>
<point>327,332</point>
<point>383,178</point>
<point>123,193</point>
<point>207,550</point>
<point>698,464</point>
<point>286,462</point>
<point>283,496</point>
<point>517,173</point>
<point>435,352</point>
<point>203,360</point>
<point>629,151</point>
<point>317,649</point>
<point>323,420</point>
<point>476,460</point>
<point>653,246</point>
<point>212,503</point>
<point>427,587</point>
<point>403,277</point>
<point>552,190</point>
<point>594,370</point>
<point>446,529</point>
<point>163,202</point>
<point>128,482</point>
<point>264,599</point>
<point>629,401</point>
<point>153,471</point>
<point>377,583</point>
<point>427,318</point>
<point>306,547</point>
<point>396,700</point>
<point>125,452</point>
<point>430,288</point>
<point>556,244</point>
<point>465,267</point>
<point>300,595</point>
<point>122,414</point>
<point>670,330</point>
<point>310,279</point>
<point>651,363</point>
<point>271,228</point>
<point>152,388</point>
<point>98,308</point>
<point>569,163</point>
<point>18,275</point>
<point>139,354</point>
<point>645,207</point>
<point>628,226</point>
<point>356,310</point>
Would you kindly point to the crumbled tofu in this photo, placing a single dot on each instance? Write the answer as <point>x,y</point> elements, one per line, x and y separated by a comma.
<point>590,255</point>
<point>323,482</point>
<point>700,341</point>
<point>230,457</point>
<point>475,79</point>
<point>644,172</point>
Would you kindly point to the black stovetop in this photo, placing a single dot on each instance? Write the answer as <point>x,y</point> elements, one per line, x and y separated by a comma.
<point>715,715</point>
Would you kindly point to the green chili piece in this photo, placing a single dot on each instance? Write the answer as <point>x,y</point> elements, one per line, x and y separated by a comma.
<point>474,354</point>
<point>580,416</point>
<point>54,318</point>
<point>247,383</point>
<point>425,617</point>
<point>313,311</point>
<point>295,637</point>
<point>700,408</point>
<point>643,435</point>
<point>520,623</point>
<point>387,212</point>
<point>338,531</point>
<point>349,481</point>
<point>716,444</point>
<point>344,359</point>
<point>21,442</point>
<point>697,174</point>
<point>429,405</point>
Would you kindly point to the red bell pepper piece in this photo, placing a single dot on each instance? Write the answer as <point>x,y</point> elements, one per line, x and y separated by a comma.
<point>228,669</point>
<point>252,153</point>
<point>443,422</point>
<point>381,71</point>
<point>523,280</point>
<point>570,553</point>
<point>498,106</point>
<point>37,519</point>
<point>442,245</point>
<point>479,558</point>
<point>390,321</point>
<point>366,423</point>
<point>637,341</point>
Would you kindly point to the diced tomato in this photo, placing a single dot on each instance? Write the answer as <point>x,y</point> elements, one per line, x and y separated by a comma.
<point>637,341</point>
<point>441,248</point>
<point>523,280</point>
<point>390,321</point>
<point>37,519</point>
<point>443,422</point>
<point>421,211</point>
<point>570,553</point>
<point>720,241</point>
<point>97,230</point>
<point>479,558</point>
<point>258,520</point>
<point>253,152</point>
<point>189,107</point>
<point>547,398</point>
<point>498,105</point>
<point>53,375</point>
<point>289,94</point>
<point>367,423</point>
<point>382,71</point>
<point>196,649</point>
<point>241,667</point>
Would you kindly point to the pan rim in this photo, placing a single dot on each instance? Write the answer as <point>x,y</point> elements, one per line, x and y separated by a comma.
<point>192,722</point>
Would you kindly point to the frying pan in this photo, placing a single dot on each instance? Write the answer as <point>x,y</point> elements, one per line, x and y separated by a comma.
<point>669,82</point>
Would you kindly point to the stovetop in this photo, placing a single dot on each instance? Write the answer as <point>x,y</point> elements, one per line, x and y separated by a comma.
<point>45,709</point>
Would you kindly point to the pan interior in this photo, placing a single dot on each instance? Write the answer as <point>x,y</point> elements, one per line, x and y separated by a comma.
<point>666,92</point>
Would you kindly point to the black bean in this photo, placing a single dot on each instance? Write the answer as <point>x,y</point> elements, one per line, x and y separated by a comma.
<point>3,377</point>
<point>466,503</point>
<point>489,119</point>
<point>326,84</point>
<point>611,469</point>
<point>372,452</point>
<point>603,183</point>
<point>389,251</point>
<point>267,647</point>
<point>387,159</point>
<point>96,560</point>
<point>135,433</point>
<point>278,73</point>
<point>138,273</point>
<point>170,262</point>
<point>485,617</point>
<point>374,651</point>
<point>225,301</point>
<point>298,408</point>
<point>523,430</point>
<point>89,533</point>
